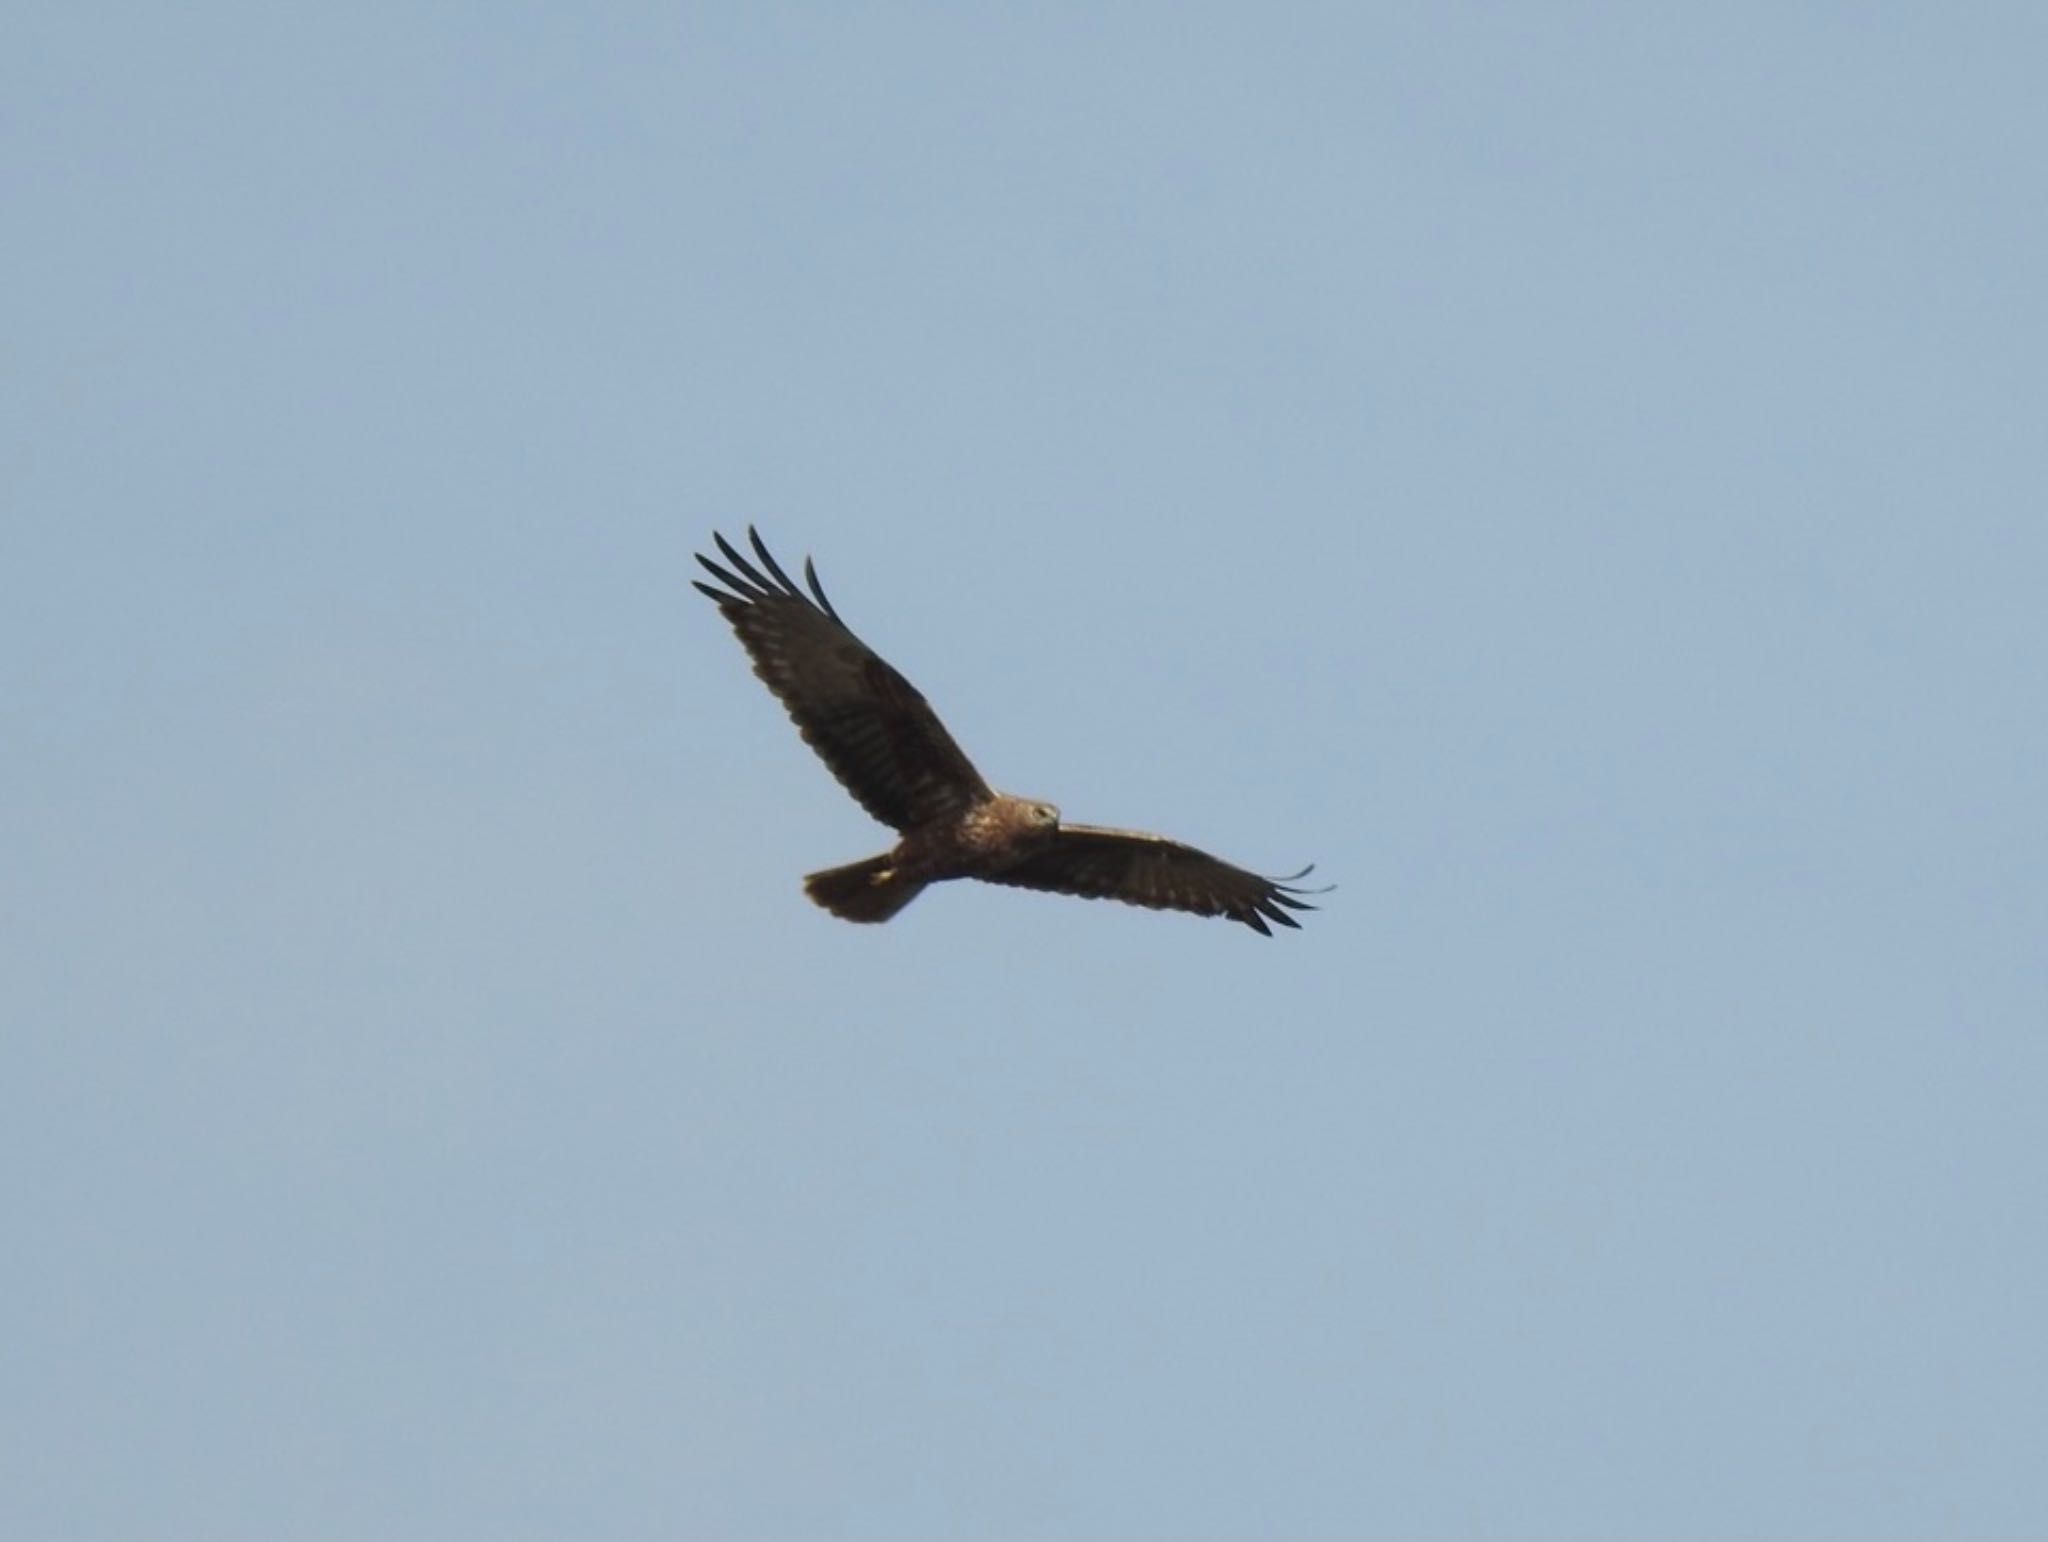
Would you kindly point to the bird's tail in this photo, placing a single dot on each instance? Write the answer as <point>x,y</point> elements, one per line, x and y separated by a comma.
<point>863,891</point>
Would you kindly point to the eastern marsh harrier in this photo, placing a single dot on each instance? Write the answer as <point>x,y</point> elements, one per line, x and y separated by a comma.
<point>882,740</point>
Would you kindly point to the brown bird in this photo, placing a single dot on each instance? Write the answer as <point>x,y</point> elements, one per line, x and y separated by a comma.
<point>888,748</point>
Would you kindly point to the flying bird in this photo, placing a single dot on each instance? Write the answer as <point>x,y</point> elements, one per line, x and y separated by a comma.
<point>880,737</point>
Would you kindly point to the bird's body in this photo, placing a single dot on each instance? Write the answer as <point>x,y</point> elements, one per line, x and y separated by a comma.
<point>976,842</point>
<point>880,737</point>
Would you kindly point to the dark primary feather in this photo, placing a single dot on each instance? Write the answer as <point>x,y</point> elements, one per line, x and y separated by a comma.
<point>874,730</point>
<point>1142,869</point>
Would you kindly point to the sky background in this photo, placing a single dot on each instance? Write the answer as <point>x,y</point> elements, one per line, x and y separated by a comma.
<point>1576,472</point>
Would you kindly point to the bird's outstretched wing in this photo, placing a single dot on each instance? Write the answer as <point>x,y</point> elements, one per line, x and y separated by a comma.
<point>1142,869</point>
<point>874,730</point>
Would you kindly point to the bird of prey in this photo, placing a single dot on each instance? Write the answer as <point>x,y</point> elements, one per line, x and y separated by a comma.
<point>880,737</point>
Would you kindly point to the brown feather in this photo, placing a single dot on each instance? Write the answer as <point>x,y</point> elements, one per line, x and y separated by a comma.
<point>869,725</point>
<point>1150,870</point>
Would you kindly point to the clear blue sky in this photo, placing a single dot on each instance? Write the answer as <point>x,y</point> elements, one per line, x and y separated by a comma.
<point>1577,472</point>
